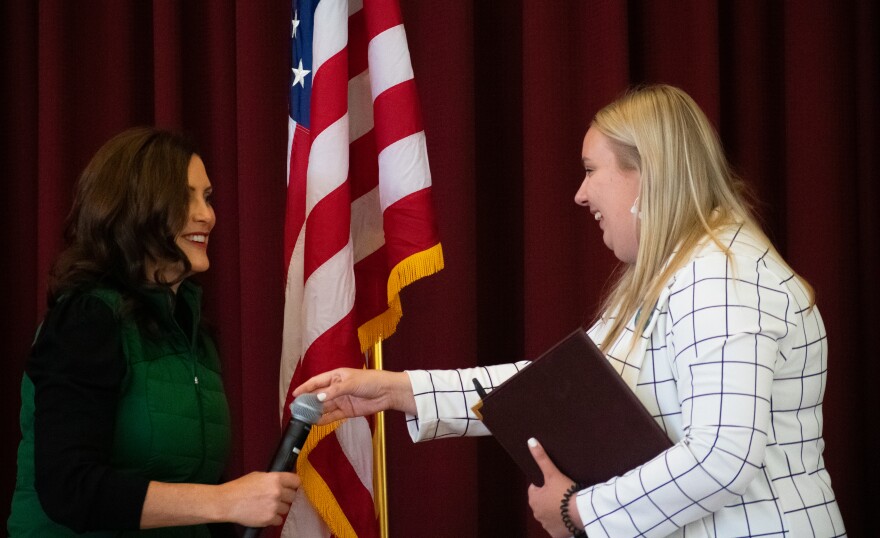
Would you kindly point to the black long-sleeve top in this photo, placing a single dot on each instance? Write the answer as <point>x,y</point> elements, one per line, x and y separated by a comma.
<point>77,367</point>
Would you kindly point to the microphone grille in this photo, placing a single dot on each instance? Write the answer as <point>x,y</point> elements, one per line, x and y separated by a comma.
<point>307,408</point>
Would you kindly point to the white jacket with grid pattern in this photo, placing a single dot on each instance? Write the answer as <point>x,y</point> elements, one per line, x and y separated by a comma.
<point>733,367</point>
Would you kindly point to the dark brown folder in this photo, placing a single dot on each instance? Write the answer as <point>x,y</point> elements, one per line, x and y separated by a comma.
<point>581,411</point>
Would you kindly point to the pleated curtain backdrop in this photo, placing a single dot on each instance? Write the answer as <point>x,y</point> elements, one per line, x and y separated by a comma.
<point>507,90</point>
<point>76,73</point>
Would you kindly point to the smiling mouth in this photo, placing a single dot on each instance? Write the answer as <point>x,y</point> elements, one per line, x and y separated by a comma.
<point>198,239</point>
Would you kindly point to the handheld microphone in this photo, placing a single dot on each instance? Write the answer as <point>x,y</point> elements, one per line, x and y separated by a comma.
<point>305,410</point>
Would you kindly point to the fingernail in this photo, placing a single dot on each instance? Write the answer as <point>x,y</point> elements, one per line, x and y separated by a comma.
<point>322,396</point>
<point>532,442</point>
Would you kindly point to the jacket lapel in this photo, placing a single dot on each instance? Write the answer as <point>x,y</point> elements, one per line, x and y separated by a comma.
<point>626,357</point>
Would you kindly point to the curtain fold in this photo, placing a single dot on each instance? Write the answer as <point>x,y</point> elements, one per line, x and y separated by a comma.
<point>507,92</point>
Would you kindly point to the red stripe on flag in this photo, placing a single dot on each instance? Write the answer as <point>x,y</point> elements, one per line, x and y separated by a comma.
<point>328,228</point>
<point>296,191</point>
<point>407,231</point>
<point>357,44</point>
<point>362,165</point>
<point>329,93</point>
<point>371,286</point>
<point>336,470</point>
<point>337,347</point>
<point>382,15</point>
<point>390,124</point>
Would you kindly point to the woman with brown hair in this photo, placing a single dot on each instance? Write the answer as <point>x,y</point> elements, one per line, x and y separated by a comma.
<point>125,424</point>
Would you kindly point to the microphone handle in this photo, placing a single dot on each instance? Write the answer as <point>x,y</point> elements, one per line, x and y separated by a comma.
<point>288,451</point>
<point>251,532</point>
<point>285,457</point>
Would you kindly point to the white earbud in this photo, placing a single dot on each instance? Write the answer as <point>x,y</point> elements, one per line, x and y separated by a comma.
<point>635,208</point>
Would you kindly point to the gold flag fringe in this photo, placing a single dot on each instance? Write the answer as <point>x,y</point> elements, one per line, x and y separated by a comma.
<point>317,490</point>
<point>421,264</point>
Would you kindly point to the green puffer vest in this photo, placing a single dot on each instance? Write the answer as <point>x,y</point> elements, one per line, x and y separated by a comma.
<point>172,422</point>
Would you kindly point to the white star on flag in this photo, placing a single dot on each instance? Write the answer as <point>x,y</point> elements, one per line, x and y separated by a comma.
<point>295,23</point>
<point>299,75</point>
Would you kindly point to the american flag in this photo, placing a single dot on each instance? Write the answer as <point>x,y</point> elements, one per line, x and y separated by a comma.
<point>359,228</point>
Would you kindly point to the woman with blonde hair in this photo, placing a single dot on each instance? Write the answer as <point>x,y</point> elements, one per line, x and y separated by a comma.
<point>717,336</point>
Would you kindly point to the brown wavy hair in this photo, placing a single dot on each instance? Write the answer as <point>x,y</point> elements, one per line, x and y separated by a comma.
<point>129,205</point>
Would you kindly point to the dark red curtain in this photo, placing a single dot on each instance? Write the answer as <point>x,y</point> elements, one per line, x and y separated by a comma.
<point>507,91</point>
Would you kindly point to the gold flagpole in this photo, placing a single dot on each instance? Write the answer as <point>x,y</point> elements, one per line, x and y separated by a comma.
<point>380,481</point>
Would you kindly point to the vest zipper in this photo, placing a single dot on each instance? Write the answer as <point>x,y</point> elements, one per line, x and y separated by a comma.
<point>195,359</point>
<point>193,355</point>
<point>201,411</point>
<point>198,390</point>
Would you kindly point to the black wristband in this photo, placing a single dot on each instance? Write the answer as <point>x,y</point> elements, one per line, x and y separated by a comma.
<point>566,519</point>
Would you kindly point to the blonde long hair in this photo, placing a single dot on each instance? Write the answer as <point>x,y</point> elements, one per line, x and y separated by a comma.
<point>688,193</point>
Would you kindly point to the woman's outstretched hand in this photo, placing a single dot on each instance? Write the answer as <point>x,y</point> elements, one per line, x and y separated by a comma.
<point>348,392</point>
